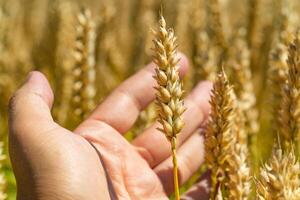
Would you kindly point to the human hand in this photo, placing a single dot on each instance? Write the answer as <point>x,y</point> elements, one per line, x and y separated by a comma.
<point>96,161</point>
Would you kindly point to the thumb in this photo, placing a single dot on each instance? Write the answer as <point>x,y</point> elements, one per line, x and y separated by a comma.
<point>29,108</point>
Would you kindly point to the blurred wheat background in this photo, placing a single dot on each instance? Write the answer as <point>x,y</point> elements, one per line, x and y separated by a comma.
<point>87,47</point>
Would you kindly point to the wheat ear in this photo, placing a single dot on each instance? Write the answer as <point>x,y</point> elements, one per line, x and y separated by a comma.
<point>219,138</point>
<point>278,73</point>
<point>289,115</point>
<point>226,153</point>
<point>169,89</point>
<point>279,178</point>
<point>279,68</point>
<point>84,70</point>
<point>215,24</point>
<point>242,81</point>
<point>206,57</point>
<point>66,37</point>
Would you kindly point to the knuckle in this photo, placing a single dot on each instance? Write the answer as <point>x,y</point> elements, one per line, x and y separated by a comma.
<point>13,102</point>
<point>17,100</point>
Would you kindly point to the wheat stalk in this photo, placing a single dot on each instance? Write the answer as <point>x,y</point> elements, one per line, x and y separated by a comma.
<point>3,195</point>
<point>84,69</point>
<point>289,115</point>
<point>280,177</point>
<point>169,90</point>
<point>252,21</point>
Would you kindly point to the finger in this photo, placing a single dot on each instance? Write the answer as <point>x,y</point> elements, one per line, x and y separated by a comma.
<point>197,104</point>
<point>29,108</point>
<point>29,116</point>
<point>200,190</point>
<point>121,109</point>
<point>189,157</point>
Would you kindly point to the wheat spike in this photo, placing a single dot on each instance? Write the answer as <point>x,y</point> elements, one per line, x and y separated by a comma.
<point>206,58</point>
<point>278,72</point>
<point>215,24</point>
<point>279,67</point>
<point>289,115</point>
<point>84,69</point>
<point>242,80</point>
<point>65,60</point>
<point>219,138</point>
<point>279,178</point>
<point>226,154</point>
<point>239,173</point>
<point>182,21</point>
<point>169,96</point>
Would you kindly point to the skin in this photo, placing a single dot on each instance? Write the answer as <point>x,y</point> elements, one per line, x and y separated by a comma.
<point>95,162</point>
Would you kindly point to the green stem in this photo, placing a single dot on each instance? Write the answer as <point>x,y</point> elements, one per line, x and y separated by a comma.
<point>175,169</point>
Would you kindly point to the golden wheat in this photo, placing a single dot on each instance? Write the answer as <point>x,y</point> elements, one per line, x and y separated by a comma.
<point>226,155</point>
<point>40,35</point>
<point>290,106</point>
<point>169,90</point>
<point>280,177</point>
<point>84,69</point>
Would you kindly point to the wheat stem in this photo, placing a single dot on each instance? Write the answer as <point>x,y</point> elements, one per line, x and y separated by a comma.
<point>3,195</point>
<point>175,169</point>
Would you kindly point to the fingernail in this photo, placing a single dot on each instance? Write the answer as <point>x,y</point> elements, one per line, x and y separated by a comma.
<point>29,76</point>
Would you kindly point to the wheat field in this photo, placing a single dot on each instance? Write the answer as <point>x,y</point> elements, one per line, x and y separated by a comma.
<point>250,49</point>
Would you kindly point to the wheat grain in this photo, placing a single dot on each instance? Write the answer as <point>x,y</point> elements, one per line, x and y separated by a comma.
<point>169,90</point>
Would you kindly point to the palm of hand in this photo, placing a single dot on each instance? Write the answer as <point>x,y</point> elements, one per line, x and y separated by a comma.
<point>127,170</point>
<point>128,175</point>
